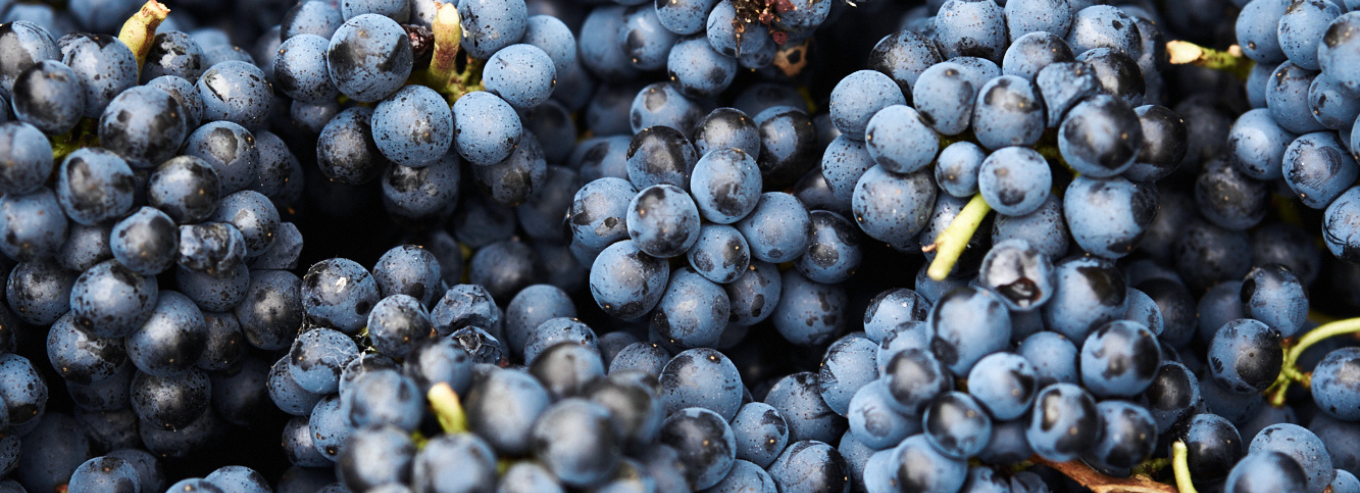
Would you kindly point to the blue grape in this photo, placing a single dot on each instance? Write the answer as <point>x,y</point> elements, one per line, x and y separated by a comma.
<point>645,41</point>
<point>29,154</point>
<point>28,44</point>
<point>661,103</point>
<point>599,49</point>
<point>1257,30</point>
<point>721,254</point>
<point>1020,275</point>
<point>94,185</point>
<point>465,305</point>
<point>185,188</point>
<point>1287,98</point>
<point>413,126</point>
<point>858,97</point>
<point>106,68</point>
<point>551,35</point>
<point>1330,104</point>
<point>1119,359</point>
<point>1275,296</point>
<point>833,252</point>
<point>49,96</point>
<point>528,477</point>
<point>487,130</point>
<point>110,300</point>
<point>231,150</point>
<point>1245,356</point>
<point>23,392</point>
<point>760,433</point>
<point>1317,168</point>
<point>339,293</point>
<point>574,440</point>
<point>1127,436</point>
<point>693,311</point>
<point>39,292</point>
<point>968,28</point>
<point>373,65</point>
<point>893,208</point>
<point>1144,310</point>
<point>300,69</point>
<point>874,418</point>
<point>698,70</point>
<point>1299,444</point>
<point>1301,28</point>
<point>317,357</point>
<point>1100,137</point>
<point>1330,380</point>
<point>1009,112</point>
<point>968,324</point>
<point>1114,229</point>
<point>660,155</point>
<point>171,340</point>
<point>754,295</point>
<point>802,301</point>
<point>1028,16</point>
<point>914,378</point>
<point>848,366</point>
<point>777,228</point>
<point>890,310</point>
<point>788,145</point>
<point>1004,384</point>
<point>1089,293</point>
<point>170,402</point>
<point>809,466</point>
<point>383,398</point>
<point>917,462</point>
<point>1015,180</point>
<point>317,18</point>
<point>239,478</point>
<point>701,378</point>
<point>957,425</point>
<point>499,24</point>
<point>1065,422</point>
<point>236,91</point>
<point>663,221</point>
<point>944,95</point>
<point>1030,53</point>
<point>145,241</point>
<point>904,55</point>
<point>957,168</point>
<point>397,10</point>
<point>730,35</point>
<point>843,163</point>
<point>523,75</point>
<point>899,139</point>
<point>798,399</point>
<point>727,128</point>
<point>376,456</point>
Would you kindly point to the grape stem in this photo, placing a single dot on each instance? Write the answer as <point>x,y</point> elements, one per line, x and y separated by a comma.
<point>954,239</point>
<point>1289,369</point>
<point>1180,465</point>
<point>1232,60</point>
<point>1100,483</point>
<point>140,30</point>
<point>444,403</point>
<point>448,33</point>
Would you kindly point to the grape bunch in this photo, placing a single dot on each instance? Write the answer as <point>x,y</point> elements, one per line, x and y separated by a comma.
<point>778,246</point>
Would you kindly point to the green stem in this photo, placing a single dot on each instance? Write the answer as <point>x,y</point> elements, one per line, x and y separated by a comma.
<point>954,239</point>
<point>448,33</point>
<point>444,403</point>
<point>1151,466</point>
<point>140,30</point>
<point>1289,369</point>
<point>1180,465</point>
<point>1232,61</point>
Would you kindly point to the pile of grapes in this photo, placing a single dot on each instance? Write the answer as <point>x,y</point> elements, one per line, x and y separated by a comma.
<point>637,246</point>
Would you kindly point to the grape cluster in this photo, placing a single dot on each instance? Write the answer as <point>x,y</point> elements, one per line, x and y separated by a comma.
<point>779,246</point>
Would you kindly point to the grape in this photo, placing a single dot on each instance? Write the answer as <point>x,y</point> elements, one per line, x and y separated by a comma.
<point>49,96</point>
<point>1315,166</point>
<point>721,255</point>
<point>317,18</point>
<point>371,66</point>
<point>919,464</point>
<point>1028,16</point>
<point>858,97</point>
<point>300,69</point>
<point>1030,53</point>
<point>698,70</point>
